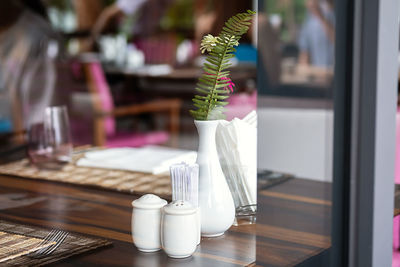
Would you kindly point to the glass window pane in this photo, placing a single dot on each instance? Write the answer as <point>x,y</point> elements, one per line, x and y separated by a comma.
<point>295,141</point>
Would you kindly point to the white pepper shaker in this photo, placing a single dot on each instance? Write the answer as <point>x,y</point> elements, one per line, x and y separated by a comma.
<point>179,229</point>
<point>185,186</point>
<point>146,222</point>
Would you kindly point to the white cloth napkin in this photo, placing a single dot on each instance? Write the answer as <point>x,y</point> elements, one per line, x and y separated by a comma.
<point>149,159</point>
<point>237,148</point>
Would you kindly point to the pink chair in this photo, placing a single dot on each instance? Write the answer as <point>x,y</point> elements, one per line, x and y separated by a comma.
<point>103,128</point>
<point>396,221</point>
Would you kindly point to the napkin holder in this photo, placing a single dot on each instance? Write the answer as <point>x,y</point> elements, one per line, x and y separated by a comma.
<point>237,149</point>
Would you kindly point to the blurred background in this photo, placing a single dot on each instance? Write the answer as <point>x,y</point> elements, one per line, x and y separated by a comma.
<point>110,62</point>
<point>295,76</point>
<point>126,70</point>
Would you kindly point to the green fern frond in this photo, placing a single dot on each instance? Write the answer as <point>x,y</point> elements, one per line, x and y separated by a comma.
<point>213,82</point>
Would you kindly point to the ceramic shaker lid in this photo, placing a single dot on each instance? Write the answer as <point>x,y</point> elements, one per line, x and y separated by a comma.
<point>179,207</point>
<point>149,201</point>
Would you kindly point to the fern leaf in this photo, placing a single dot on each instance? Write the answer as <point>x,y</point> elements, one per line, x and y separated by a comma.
<point>215,78</point>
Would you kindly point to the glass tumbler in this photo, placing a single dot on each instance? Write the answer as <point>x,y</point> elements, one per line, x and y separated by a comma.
<point>49,141</point>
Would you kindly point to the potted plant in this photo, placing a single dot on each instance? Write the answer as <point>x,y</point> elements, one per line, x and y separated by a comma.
<point>215,199</point>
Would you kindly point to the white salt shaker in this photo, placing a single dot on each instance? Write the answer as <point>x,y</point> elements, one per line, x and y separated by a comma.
<point>146,222</point>
<point>179,229</point>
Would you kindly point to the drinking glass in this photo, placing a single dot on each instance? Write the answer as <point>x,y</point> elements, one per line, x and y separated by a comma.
<point>49,141</point>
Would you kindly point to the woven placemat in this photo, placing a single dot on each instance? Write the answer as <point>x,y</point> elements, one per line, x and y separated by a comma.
<point>74,244</point>
<point>13,245</point>
<point>117,180</point>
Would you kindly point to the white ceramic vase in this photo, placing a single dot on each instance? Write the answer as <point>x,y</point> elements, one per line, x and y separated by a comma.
<point>215,199</point>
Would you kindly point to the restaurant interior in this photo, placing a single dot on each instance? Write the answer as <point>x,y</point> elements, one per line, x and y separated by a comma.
<point>98,133</point>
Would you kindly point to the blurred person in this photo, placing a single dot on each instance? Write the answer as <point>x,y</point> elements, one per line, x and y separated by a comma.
<point>211,15</point>
<point>205,18</point>
<point>87,13</point>
<point>269,51</point>
<point>118,9</point>
<point>27,70</point>
<point>317,34</point>
<point>147,21</point>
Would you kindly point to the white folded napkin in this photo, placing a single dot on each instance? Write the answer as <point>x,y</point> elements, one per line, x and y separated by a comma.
<point>149,159</point>
<point>237,148</point>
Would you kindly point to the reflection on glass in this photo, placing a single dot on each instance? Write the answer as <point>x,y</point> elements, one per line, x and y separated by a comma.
<point>317,35</point>
<point>297,47</point>
<point>295,130</point>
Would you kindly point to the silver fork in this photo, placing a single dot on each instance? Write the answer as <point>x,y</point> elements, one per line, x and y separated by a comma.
<point>56,236</point>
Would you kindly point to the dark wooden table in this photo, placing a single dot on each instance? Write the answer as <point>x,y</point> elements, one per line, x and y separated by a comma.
<point>292,224</point>
<point>241,71</point>
<point>180,80</point>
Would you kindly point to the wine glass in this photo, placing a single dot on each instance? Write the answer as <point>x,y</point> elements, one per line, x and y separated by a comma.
<point>49,141</point>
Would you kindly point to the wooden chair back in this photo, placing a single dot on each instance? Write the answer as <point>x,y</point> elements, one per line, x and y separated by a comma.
<point>102,101</point>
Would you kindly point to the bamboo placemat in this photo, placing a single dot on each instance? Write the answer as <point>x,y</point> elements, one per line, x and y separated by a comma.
<point>74,244</point>
<point>13,245</point>
<point>117,180</point>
